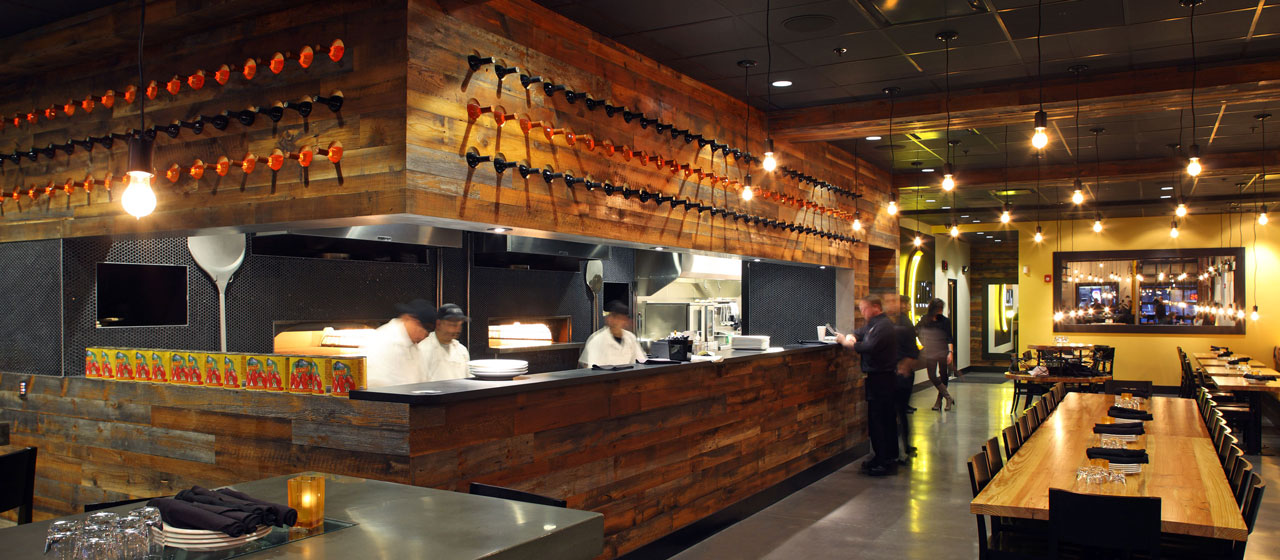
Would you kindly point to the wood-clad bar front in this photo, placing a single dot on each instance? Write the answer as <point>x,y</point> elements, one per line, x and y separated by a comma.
<point>653,449</point>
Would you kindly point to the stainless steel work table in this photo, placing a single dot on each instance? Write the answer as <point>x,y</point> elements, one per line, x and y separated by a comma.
<point>400,521</point>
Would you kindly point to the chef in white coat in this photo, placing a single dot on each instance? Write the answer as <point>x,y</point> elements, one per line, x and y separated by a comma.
<point>612,345</point>
<point>394,356</point>
<point>446,357</point>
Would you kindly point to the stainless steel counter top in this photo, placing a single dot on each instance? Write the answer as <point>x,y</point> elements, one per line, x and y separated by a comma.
<point>400,521</point>
<point>453,390</point>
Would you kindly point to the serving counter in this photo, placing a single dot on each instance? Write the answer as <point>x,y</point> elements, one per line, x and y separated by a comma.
<point>653,448</point>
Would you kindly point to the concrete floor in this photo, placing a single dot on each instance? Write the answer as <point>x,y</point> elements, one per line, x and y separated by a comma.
<point>923,511</point>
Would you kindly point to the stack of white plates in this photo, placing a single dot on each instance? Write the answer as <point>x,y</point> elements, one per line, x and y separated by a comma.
<point>194,539</point>
<point>497,369</point>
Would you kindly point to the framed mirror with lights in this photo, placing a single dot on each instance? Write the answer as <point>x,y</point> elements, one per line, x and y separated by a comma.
<point>1179,291</point>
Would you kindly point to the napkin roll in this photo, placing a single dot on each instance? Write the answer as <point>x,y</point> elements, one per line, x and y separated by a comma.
<point>1124,429</point>
<point>1128,413</point>
<point>1118,456</point>
<point>186,515</point>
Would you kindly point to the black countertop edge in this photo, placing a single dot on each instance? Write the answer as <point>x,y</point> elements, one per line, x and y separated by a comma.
<point>455,390</point>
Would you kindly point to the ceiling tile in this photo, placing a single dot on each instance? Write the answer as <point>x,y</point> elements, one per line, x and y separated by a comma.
<point>704,37</point>
<point>858,46</point>
<point>878,69</point>
<point>648,15</point>
<point>923,37</point>
<point>1063,17</point>
<point>842,15</point>
<point>725,64</point>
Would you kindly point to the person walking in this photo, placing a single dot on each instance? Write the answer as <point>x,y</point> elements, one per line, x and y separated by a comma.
<point>908,362</point>
<point>939,350</point>
<point>876,343</point>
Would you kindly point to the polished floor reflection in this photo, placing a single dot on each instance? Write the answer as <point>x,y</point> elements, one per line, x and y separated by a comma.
<point>923,512</point>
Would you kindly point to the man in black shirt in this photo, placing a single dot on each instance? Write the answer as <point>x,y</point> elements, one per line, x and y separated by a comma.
<point>908,362</point>
<point>877,344</point>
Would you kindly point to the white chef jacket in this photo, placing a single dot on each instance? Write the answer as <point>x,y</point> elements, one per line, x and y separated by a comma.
<point>445,362</point>
<point>391,358</point>
<point>603,350</point>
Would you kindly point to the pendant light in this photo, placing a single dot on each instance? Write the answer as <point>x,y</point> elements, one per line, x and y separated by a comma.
<point>748,191</point>
<point>918,241</point>
<point>948,174</point>
<point>1173,229</point>
<point>1262,211</point>
<point>1097,178</point>
<point>1097,224</point>
<point>1006,215</point>
<point>1077,197</point>
<point>1039,233</point>
<point>893,203</point>
<point>1040,139</point>
<point>1193,153</point>
<point>769,163</point>
<point>955,230</point>
<point>138,199</point>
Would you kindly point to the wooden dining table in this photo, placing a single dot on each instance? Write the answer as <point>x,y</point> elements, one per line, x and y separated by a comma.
<point>1254,391</point>
<point>1184,472</point>
<point>1211,362</point>
<point>1231,371</point>
<point>1214,356</point>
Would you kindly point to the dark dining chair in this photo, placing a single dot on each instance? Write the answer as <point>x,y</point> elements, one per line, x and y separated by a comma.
<point>1138,388</point>
<point>1090,525</point>
<point>515,495</point>
<point>18,473</point>
<point>995,543</point>
<point>1012,441</point>
<point>994,462</point>
<point>1241,474</point>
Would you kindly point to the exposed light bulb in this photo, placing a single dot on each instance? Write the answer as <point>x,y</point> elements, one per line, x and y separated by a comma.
<point>1141,278</point>
<point>747,192</point>
<point>918,241</point>
<point>1039,235</point>
<point>893,207</point>
<point>1262,218</point>
<point>1240,313</point>
<point>1253,315</point>
<point>1040,139</point>
<point>955,231</point>
<point>1057,316</point>
<point>1181,211</point>
<point>138,199</point>
<point>770,163</point>
<point>1160,277</point>
<point>1173,230</point>
<point>1006,217</point>
<point>1077,197</point>
<point>1193,160</point>
<point>857,224</point>
<point>948,183</point>
<point>1097,226</point>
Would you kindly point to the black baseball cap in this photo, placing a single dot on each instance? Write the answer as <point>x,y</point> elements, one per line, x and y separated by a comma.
<point>419,309</point>
<point>451,312</point>
<point>616,306</point>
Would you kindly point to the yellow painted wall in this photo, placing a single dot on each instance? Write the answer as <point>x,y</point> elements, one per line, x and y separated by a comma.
<point>1141,356</point>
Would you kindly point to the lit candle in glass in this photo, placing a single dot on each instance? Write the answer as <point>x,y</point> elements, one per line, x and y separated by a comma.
<point>306,495</point>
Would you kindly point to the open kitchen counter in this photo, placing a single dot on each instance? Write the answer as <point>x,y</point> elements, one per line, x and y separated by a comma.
<point>454,390</point>
<point>654,448</point>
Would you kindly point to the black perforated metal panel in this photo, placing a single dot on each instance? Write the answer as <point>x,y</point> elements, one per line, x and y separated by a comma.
<point>788,302</point>
<point>79,261</point>
<point>31,321</point>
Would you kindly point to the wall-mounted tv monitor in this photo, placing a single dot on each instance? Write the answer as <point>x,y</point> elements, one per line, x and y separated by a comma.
<point>141,295</point>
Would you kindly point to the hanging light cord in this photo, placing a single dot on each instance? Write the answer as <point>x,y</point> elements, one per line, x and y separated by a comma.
<point>1097,173</point>
<point>1006,166</point>
<point>1193,73</point>
<point>142,99</point>
<point>1039,32</point>
<point>768,46</point>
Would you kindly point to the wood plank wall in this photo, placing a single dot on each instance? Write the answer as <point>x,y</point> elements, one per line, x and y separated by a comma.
<point>97,51</point>
<point>102,441</point>
<point>539,42</point>
<point>653,452</point>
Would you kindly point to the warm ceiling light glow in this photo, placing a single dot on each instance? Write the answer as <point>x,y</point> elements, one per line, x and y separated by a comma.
<point>1040,139</point>
<point>1039,235</point>
<point>857,224</point>
<point>1173,230</point>
<point>873,138</point>
<point>948,178</point>
<point>1057,316</point>
<point>1097,226</point>
<point>1077,197</point>
<point>1240,313</point>
<point>1262,217</point>
<point>1006,217</point>
<point>770,163</point>
<point>1253,315</point>
<point>918,241</point>
<point>1181,211</point>
<point>955,231</point>
<point>927,170</point>
<point>1160,277</point>
<point>782,83</point>
<point>893,207</point>
<point>747,192</point>
<point>139,200</point>
<point>1193,162</point>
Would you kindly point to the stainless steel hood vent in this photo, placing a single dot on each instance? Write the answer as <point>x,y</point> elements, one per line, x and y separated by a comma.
<point>654,270</point>
<point>513,251</point>
<point>413,234</point>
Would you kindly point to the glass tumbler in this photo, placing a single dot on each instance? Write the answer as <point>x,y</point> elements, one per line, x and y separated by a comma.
<point>60,544</point>
<point>155,536</point>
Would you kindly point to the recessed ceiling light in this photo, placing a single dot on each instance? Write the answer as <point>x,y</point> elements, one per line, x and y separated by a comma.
<point>999,240</point>
<point>1166,188</point>
<point>977,221</point>
<point>946,207</point>
<point>930,200</point>
<point>927,170</point>
<point>822,267</point>
<point>782,83</point>
<point>659,248</point>
<point>755,260</point>
<point>1166,196</point>
<point>964,215</point>
<point>873,138</point>
<point>499,229</point>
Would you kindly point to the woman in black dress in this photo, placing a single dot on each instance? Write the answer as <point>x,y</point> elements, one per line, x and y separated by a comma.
<point>939,349</point>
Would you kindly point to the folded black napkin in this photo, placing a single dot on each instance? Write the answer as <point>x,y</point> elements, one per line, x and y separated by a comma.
<point>1224,353</point>
<point>1120,456</point>
<point>251,519</point>
<point>1124,429</point>
<point>1257,377</point>
<point>205,496</point>
<point>1239,360</point>
<point>660,362</point>
<point>185,515</point>
<point>284,515</point>
<point>610,368</point>
<point>1128,413</point>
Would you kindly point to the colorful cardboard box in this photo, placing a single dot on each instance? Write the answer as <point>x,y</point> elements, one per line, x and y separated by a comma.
<point>92,368</point>
<point>177,362</point>
<point>106,363</point>
<point>141,365</point>
<point>343,374</point>
<point>232,371</point>
<point>306,375</point>
<point>266,372</point>
<point>156,361</point>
